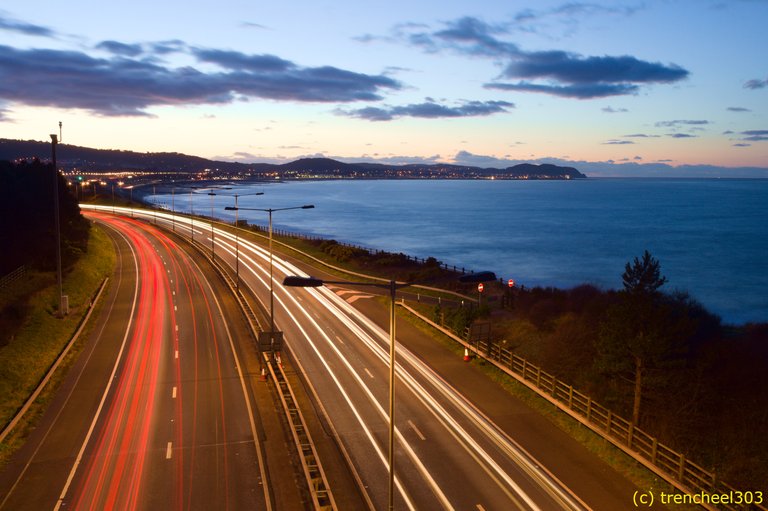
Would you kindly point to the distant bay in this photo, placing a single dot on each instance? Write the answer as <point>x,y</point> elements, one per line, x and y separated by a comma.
<point>711,235</point>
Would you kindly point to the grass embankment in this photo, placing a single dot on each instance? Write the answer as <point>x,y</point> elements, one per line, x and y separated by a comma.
<point>31,348</point>
<point>594,443</point>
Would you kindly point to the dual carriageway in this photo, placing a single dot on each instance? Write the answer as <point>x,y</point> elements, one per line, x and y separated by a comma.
<point>168,409</point>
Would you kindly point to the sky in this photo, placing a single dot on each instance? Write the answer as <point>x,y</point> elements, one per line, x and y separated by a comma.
<point>624,88</point>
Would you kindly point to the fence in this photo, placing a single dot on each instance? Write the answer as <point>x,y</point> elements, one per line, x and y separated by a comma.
<point>672,466</point>
<point>12,277</point>
<point>309,237</point>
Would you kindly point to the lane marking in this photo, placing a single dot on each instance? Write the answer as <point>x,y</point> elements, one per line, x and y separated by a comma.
<point>416,430</point>
<point>177,328</point>
<point>169,450</point>
<point>355,298</point>
<point>480,507</point>
<point>339,339</point>
<point>112,377</point>
<point>368,372</point>
<point>174,393</point>
<point>174,308</point>
<point>176,355</point>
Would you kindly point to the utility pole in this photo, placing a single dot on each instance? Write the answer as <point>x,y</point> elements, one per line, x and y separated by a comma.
<point>63,306</point>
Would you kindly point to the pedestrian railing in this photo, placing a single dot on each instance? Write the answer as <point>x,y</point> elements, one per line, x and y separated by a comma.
<point>673,467</point>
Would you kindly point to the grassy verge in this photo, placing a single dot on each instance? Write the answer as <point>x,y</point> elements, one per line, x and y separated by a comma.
<point>27,356</point>
<point>603,449</point>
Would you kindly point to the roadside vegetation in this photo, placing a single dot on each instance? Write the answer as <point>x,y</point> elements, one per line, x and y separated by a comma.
<point>31,334</point>
<point>657,358</point>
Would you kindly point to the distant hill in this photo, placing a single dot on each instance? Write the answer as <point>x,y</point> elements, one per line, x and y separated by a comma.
<point>88,159</point>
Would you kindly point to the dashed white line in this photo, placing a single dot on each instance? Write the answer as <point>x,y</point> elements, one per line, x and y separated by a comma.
<point>339,339</point>
<point>416,430</point>
<point>368,372</point>
<point>480,507</point>
<point>176,355</point>
<point>174,393</point>
<point>169,450</point>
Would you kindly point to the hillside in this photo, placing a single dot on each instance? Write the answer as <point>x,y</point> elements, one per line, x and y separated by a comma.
<point>87,159</point>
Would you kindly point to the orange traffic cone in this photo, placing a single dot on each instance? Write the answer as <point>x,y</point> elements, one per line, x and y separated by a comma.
<point>263,376</point>
<point>466,355</point>
<point>279,361</point>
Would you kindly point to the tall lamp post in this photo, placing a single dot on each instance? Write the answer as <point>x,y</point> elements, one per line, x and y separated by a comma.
<point>62,306</point>
<point>392,286</point>
<point>271,279</point>
<point>237,238</point>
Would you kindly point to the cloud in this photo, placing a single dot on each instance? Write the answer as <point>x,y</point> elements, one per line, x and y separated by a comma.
<point>430,110</point>
<point>740,144</point>
<point>611,110</point>
<point>681,135</point>
<point>640,135</point>
<point>756,84</point>
<point>25,28</point>
<point>554,72</point>
<point>571,68</point>
<point>678,123</point>
<point>118,48</point>
<point>738,109</point>
<point>249,24</point>
<point>755,135</point>
<point>471,36</point>
<point>122,85</point>
<point>235,60</point>
<point>568,14</point>
<point>581,91</point>
<point>618,142</point>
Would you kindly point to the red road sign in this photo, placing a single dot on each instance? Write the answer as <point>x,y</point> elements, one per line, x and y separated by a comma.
<point>511,283</point>
<point>480,287</point>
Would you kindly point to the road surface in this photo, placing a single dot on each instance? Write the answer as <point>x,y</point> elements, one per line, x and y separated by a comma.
<point>155,413</point>
<point>449,452</point>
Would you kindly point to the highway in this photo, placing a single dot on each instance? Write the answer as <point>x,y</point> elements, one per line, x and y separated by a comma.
<point>449,454</point>
<point>155,413</point>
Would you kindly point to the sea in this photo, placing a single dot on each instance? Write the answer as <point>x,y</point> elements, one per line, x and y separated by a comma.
<point>710,235</point>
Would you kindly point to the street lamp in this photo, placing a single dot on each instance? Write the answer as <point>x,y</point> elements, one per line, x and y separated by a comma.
<point>62,306</point>
<point>237,238</point>
<point>392,286</point>
<point>271,279</point>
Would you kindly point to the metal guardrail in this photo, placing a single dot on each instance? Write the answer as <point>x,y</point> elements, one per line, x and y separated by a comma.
<point>317,483</point>
<point>673,467</point>
<point>322,498</point>
<point>55,365</point>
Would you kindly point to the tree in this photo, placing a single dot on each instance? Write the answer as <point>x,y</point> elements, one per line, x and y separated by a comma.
<point>26,218</point>
<point>644,332</point>
<point>643,277</point>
